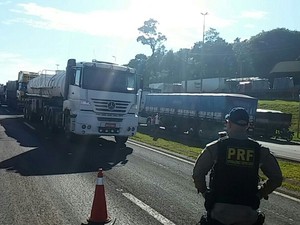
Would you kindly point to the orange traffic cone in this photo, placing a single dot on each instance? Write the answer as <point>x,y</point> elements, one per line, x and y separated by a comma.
<point>99,210</point>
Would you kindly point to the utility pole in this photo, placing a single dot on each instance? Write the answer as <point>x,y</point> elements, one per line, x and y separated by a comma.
<point>203,38</point>
<point>204,14</point>
<point>298,119</point>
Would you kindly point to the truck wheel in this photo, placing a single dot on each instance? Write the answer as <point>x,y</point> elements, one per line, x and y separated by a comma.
<point>50,122</point>
<point>121,139</point>
<point>30,116</point>
<point>68,134</point>
<point>25,113</point>
<point>45,118</point>
<point>289,137</point>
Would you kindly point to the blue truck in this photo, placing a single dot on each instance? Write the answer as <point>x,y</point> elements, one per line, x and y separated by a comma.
<point>199,114</point>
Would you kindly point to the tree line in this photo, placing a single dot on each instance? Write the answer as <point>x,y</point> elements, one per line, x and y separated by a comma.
<point>213,56</point>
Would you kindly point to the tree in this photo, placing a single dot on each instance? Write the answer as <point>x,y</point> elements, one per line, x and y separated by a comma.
<point>175,66</point>
<point>271,47</point>
<point>214,58</point>
<point>150,36</point>
<point>243,58</point>
<point>212,35</point>
<point>139,63</point>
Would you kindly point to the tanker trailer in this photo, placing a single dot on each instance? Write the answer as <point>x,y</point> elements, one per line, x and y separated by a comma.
<point>88,99</point>
<point>23,78</point>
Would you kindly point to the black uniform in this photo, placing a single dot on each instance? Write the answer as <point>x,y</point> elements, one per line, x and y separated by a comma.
<point>233,195</point>
<point>234,178</point>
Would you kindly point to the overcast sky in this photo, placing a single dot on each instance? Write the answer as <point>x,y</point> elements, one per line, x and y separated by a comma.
<point>44,34</point>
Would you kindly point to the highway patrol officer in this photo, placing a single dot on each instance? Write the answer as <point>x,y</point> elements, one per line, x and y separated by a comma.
<point>233,195</point>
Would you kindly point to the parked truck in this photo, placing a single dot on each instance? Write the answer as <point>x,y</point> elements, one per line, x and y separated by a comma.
<point>202,115</point>
<point>11,94</point>
<point>16,90</point>
<point>23,78</point>
<point>2,94</point>
<point>88,99</point>
<point>273,124</point>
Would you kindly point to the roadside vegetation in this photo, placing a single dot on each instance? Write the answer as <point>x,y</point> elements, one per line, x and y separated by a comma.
<point>290,170</point>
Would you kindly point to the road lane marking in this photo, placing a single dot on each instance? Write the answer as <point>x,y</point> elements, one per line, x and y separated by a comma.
<point>148,209</point>
<point>287,196</point>
<point>192,163</point>
<point>28,125</point>
<point>162,153</point>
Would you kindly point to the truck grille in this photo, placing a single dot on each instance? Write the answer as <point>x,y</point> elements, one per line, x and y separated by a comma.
<point>110,106</point>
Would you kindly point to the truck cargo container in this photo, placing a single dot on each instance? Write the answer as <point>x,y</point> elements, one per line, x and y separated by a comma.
<point>202,114</point>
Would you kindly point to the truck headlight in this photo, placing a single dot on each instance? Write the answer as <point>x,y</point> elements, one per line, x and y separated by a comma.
<point>86,103</point>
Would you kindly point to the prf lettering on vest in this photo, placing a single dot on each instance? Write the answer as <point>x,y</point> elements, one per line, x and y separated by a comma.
<point>240,156</point>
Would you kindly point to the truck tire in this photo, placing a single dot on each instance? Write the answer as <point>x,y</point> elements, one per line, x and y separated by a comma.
<point>121,139</point>
<point>51,122</point>
<point>30,115</point>
<point>289,137</point>
<point>45,120</point>
<point>68,134</point>
<point>25,113</point>
<point>45,117</point>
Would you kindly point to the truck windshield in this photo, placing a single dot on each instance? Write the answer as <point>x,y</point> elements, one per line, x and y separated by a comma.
<point>22,86</point>
<point>103,79</point>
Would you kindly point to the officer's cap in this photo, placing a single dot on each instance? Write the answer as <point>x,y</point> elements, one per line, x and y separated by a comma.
<point>238,116</point>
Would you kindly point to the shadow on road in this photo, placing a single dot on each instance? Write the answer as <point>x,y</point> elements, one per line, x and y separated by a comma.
<point>51,154</point>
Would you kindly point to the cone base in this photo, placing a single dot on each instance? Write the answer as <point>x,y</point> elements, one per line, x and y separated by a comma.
<point>98,223</point>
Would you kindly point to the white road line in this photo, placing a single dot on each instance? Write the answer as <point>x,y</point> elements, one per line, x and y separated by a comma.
<point>28,125</point>
<point>287,196</point>
<point>192,163</point>
<point>162,153</point>
<point>148,209</point>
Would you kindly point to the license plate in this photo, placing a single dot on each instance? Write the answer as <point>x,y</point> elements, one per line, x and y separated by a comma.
<point>110,125</point>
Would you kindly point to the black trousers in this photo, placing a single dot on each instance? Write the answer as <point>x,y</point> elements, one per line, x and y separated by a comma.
<point>207,220</point>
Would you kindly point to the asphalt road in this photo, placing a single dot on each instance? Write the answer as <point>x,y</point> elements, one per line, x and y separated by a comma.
<point>44,180</point>
<point>283,149</point>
